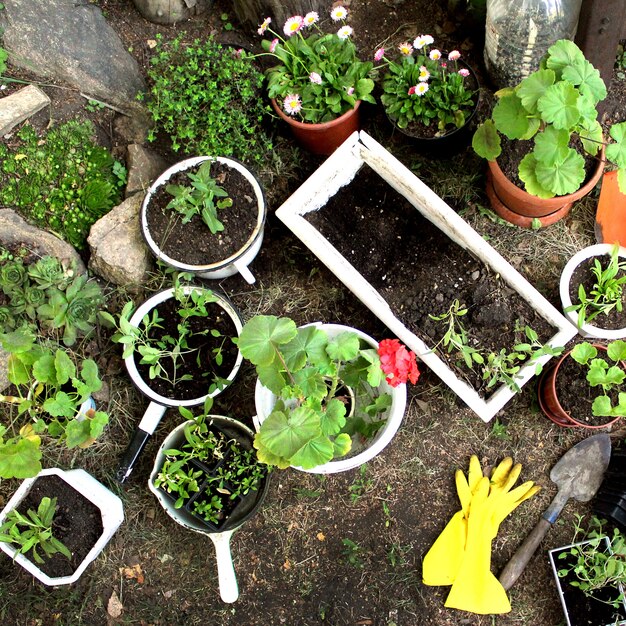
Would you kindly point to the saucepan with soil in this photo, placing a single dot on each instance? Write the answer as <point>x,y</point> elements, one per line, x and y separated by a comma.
<point>57,523</point>
<point>207,478</point>
<point>178,351</point>
<point>585,387</point>
<point>205,215</point>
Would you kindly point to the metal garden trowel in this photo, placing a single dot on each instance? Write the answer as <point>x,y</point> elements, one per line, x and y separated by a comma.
<point>578,474</point>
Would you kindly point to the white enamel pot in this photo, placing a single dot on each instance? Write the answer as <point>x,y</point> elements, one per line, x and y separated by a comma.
<point>236,262</point>
<point>158,403</point>
<point>227,579</point>
<point>588,330</point>
<point>265,400</point>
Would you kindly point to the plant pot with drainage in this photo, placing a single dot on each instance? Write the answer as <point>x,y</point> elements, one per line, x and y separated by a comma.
<point>328,397</point>
<point>544,144</point>
<point>592,291</point>
<point>205,215</point>
<point>178,351</point>
<point>585,387</point>
<point>72,517</point>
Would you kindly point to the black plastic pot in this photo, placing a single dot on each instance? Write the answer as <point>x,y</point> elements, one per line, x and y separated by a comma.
<point>610,501</point>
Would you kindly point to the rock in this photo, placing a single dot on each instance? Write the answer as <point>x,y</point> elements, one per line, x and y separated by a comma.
<point>4,364</point>
<point>144,166</point>
<point>71,41</point>
<point>170,11</point>
<point>14,230</point>
<point>133,128</point>
<point>19,106</point>
<point>118,252</point>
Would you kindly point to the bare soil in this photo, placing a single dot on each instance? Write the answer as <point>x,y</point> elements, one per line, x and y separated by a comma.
<point>342,549</point>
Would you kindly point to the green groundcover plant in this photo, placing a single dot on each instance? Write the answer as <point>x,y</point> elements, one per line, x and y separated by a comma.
<point>50,385</point>
<point>207,99</point>
<point>426,87</point>
<point>61,181</point>
<point>552,107</point>
<point>319,76</point>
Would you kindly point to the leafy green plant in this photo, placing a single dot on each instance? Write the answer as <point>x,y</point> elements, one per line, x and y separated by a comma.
<point>306,369</point>
<point>319,76</point>
<point>554,105</point>
<point>361,485</point>
<point>49,297</point>
<point>50,386</point>
<point>206,98</point>
<point>200,198</point>
<point>352,553</point>
<point>61,181</point>
<point>606,293</point>
<point>33,532</point>
<point>607,375</point>
<point>426,88</point>
<point>595,564</point>
<point>236,472</point>
<point>165,353</point>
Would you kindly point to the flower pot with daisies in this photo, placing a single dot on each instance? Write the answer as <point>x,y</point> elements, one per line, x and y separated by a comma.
<point>319,82</point>
<point>428,95</point>
<point>328,397</point>
<point>544,144</point>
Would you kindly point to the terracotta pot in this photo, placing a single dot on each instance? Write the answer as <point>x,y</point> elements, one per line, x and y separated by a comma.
<point>322,138</point>
<point>522,203</point>
<point>549,401</point>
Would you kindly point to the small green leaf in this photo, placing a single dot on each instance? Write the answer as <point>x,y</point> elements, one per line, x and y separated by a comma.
<point>533,87</point>
<point>559,106</point>
<point>510,117</point>
<point>562,178</point>
<point>528,175</point>
<point>260,336</point>
<point>486,141</point>
<point>616,350</point>
<point>551,146</point>
<point>583,353</point>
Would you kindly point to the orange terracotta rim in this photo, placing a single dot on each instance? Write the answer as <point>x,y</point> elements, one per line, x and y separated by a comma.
<point>311,126</point>
<point>523,203</point>
<point>521,220</point>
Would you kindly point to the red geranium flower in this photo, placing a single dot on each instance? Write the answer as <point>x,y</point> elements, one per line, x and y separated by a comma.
<point>398,363</point>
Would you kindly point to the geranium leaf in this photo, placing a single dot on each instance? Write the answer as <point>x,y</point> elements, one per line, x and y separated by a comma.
<point>20,459</point>
<point>342,445</point>
<point>616,350</point>
<point>616,152</point>
<point>551,146</point>
<point>588,77</point>
<point>591,137</point>
<point>309,344</point>
<point>533,87</point>
<point>313,453</point>
<point>562,178</point>
<point>601,406</point>
<point>311,383</point>
<point>510,117</point>
<point>334,418</point>
<point>559,106</point>
<point>563,54</point>
<point>284,434</point>
<point>271,376</point>
<point>344,347</point>
<point>65,368</point>
<point>60,405</point>
<point>486,141</point>
<point>260,336</point>
<point>44,370</point>
<point>528,175</point>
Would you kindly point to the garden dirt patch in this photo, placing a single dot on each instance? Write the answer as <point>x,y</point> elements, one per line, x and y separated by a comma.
<point>343,549</point>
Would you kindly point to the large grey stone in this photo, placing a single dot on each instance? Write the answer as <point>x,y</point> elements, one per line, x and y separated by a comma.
<point>19,106</point>
<point>144,166</point>
<point>71,41</point>
<point>4,366</point>
<point>14,230</point>
<point>118,252</point>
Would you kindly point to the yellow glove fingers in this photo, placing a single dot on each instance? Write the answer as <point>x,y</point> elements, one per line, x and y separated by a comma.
<point>511,502</point>
<point>511,479</point>
<point>463,490</point>
<point>500,473</point>
<point>475,473</point>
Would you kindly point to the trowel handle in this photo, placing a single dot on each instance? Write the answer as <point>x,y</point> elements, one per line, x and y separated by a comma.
<point>229,590</point>
<point>518,562</point>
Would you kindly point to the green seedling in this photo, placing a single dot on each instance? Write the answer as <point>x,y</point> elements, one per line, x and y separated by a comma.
<point>352,553</point>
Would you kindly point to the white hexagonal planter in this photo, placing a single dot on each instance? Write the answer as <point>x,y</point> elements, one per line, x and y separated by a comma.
<point>360,150</point>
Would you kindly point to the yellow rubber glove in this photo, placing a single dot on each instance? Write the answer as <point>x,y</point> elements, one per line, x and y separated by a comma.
<point>475,588</point>
<point>442,561</point>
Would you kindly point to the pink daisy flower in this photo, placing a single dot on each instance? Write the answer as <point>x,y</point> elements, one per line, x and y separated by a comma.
<point>311,18</point>
<point>344,32</point>
<point>263,27</point>
<point>379,54</point>
<point>435,55</point>
<point>421,89</point>
<point>411,91</point>
<point>339,13</point>
<point>465,73</point>
<point>293,25</point>
<point>292,104</point>
<point>405,48</point>
<point>455,55</point>
<point>314,77</point>
<point>428,39</point>
<point>273,44</point>
<point>424,74</point>
<point>350,91</point>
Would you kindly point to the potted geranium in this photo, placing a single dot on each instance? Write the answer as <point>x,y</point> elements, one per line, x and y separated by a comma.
<point>57,523</point>
<point>540,117</point>
<point>324,392</point>
<point>592,291</point>
<point>428,95</point>
<point>319,82</point>
<point>585,387</point>
<point>205,215</point>
<point>53,387</point>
